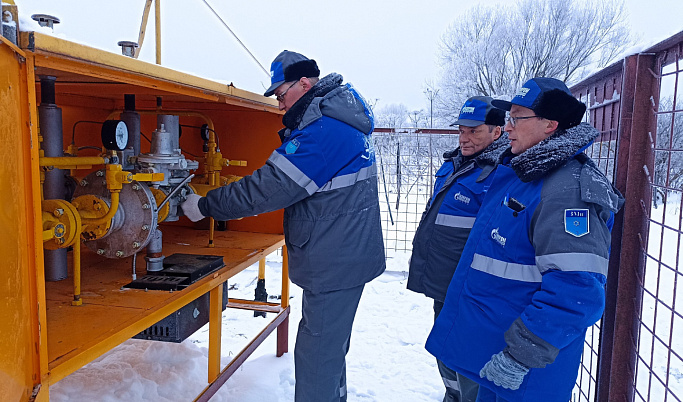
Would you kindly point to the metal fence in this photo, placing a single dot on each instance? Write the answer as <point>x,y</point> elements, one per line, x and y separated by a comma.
<point>408,159</point>
<point>634,354</point>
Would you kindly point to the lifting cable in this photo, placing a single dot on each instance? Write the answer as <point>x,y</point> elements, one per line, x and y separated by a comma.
<point>238,39</point>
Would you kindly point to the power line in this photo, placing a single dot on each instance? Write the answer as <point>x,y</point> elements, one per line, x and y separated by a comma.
<point>238,39</point>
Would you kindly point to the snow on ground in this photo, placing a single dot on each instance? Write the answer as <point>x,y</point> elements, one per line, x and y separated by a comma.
<point>387,360</point>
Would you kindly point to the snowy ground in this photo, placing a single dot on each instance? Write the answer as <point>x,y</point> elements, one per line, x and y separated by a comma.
<point>387,360</point>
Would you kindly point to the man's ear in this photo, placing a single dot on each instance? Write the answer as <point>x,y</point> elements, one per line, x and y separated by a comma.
<point>305,83</point>
<point>497,132</point>
<point>551,127</point>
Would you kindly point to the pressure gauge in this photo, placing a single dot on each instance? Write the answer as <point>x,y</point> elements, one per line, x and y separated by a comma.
<point>114,135</point>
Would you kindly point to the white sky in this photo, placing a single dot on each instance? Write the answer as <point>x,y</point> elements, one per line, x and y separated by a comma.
<point>386,48</point>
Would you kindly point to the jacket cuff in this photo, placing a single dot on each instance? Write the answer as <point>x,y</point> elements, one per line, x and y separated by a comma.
<point>203,207</point>
<point>527,348</point>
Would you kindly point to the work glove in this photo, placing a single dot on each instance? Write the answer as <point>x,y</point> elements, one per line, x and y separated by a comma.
<point>504,371</point>
<point>191,208</point>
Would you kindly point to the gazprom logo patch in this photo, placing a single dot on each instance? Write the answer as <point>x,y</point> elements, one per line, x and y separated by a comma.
<point>522,92</point>
<point>462,198</point>
<point>467,109</point>
<point>272,73</point>
<point>498,238</point>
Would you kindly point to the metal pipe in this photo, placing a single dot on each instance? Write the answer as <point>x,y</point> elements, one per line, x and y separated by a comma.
<point>143,27</point>
<point>50,121</point>
<point>113,208</point>
<point>77,270</point>
<point>284,300</point>
<point>68,161</point>
<point>157,16</point>
<point>132,120</point>
<point>172,126</point>
<point>155,258</point>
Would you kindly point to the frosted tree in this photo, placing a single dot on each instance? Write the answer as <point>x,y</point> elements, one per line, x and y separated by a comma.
<point>668,164</point>
<point>394,117</point>
<point>493,50</point>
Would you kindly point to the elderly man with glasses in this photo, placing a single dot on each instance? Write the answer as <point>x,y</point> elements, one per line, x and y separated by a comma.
<point>324,176</point>
<point>531,278</point>
<point>461,184</point>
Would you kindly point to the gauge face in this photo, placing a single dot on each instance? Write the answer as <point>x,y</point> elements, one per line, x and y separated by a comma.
<point>114,135</point>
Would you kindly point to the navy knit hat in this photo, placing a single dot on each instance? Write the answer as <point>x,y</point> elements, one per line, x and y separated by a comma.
<point>548,98</point>
<point>290,66</point>
<point>478,110</point>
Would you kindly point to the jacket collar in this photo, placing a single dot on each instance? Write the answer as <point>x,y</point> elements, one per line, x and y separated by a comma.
<point>293,117</point>
<point>551,153</point>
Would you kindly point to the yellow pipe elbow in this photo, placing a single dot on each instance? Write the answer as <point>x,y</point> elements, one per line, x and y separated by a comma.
<point>109,215</point>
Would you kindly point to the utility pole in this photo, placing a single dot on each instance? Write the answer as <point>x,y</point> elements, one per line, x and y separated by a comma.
<point>431,95</point>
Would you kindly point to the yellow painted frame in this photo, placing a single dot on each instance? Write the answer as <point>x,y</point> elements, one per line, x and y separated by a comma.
<point>52,54</point>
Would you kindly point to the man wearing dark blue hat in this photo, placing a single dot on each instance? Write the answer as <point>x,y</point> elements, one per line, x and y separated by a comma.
<point>324,176</point>
<point>531,278</point>
<point>459,190</point>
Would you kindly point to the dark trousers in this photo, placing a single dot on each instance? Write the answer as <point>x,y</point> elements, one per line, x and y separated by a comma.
<point>458,387</point>
<point>322,343</point>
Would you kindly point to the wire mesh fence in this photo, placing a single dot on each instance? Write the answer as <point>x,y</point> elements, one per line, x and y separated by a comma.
<point>602,99</point>
<point>408,160</point>
<point>659,368</point>
<point>635,353</point>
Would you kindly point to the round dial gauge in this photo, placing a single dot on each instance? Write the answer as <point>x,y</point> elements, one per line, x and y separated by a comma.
<point>114,135</point>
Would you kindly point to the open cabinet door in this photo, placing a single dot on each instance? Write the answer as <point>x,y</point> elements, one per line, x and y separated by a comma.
<point>22,353</point>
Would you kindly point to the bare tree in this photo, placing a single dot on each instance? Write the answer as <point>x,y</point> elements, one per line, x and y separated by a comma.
<point>493,50</point>
<point>392,116</point>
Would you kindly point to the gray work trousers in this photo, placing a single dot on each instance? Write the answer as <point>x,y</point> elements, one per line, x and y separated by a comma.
<point>458,387</point>
<point>322,343</point>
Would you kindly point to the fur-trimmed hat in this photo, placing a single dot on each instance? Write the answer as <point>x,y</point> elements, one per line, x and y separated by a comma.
<point>548,98</point>
<point>290,66</point>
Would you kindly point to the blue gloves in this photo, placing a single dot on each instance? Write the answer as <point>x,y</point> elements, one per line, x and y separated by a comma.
<point>191,208</point>
<point>504,371</point>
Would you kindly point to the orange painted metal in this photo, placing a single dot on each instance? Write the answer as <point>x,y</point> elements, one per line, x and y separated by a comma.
<point>45,337</point>
<point>21,245</point>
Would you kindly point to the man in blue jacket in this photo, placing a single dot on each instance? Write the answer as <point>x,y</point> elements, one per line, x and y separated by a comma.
<point>531,277</point>
<point>324,176</point>
<point>461,184</point>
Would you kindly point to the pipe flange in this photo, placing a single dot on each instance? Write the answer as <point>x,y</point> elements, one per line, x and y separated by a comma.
<point>62,217</point>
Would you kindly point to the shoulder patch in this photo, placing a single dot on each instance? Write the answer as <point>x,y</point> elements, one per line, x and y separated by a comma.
<point>576,222</point>
<point>292,146</point>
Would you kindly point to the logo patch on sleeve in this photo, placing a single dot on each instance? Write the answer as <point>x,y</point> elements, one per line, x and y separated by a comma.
<point>292,146</point>
<point>576,222</point>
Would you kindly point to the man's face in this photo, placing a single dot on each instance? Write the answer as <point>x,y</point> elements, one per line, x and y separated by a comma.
<point>527,132</point>
<point>289,92</point>
<point>475,139</point>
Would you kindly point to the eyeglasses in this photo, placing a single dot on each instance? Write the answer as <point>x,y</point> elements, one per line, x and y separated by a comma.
<point>281,97</point>
<point>513,120</point>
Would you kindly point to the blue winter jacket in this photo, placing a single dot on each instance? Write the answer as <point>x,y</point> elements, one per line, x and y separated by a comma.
<point>459,190</point>
<point>531,278</point>
<point>324,176</point>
